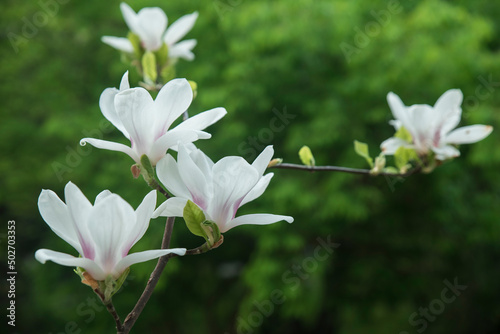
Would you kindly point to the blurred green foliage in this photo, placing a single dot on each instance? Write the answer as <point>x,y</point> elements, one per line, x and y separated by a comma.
<point>399,239</point>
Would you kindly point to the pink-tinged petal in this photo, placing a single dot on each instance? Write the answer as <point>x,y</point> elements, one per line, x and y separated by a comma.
<point>135,109</point>
<point>203,120</point>
<point>107,228</point>
<point>57,216</point>
<point>44,255</point>
<point>107,105</point>
<point>170,140</point>
<point>109,145</point>
<point>262,161</point>
<point>80,209</point>
<point>169,176</point>
<point>193,178</point>
<point>151,24</point>
<point>129,16</point>
<point>173,99</point>
<point>183,50</point>
<point>445,152</point>
<point>389,146</point>
<point>258,190</point>
<point>233,178</point>
<point>172,207</point>
<point>256,219</point>
<point>201,160</point>
<point>180,28</point>
<point>423,129</point>
<point>399,110</point>
<point>468,134</point>
<point>135,229</point>
<point>143,257</point>
<point>119,43</point>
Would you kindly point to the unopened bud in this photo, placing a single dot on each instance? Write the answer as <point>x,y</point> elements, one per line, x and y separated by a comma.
<point>274,162</point>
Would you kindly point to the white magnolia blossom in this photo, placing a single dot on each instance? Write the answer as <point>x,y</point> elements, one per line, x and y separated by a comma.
<point>150,24</point>
<point>431,128</point>
<point>218,189</point>
<point>102,233</point>
<point>146,122</point>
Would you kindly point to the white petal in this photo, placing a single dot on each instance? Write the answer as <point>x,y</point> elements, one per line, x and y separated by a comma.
<point>448,111</point>
<point>169,176</point>
<point>129,16</point>
<point>446,152</point>
<point>262,161</point>
<point>258,190</point>
<point>399,110</point>
<point>194,178</point>
<point>203,120</point>
<point>107,228</point>
<point>183,50</point>
<point>119,43</point>
<point>57,216</point>
<point>102,195</point>
<point>468,134</point>
<point>143,257</point>
<point>172,207</point>
<point>107,105</point>
<point>135,229</point>
<point>233,178</point>
<point>173,99</point>
<point>112,146</point>
<point>171,139</point>
<point>256,219</point>
<point>389,146</point>
<point>80,208</point>
<point>124,83</point>
<point>135,108</point>
<point>423,126</point>
<point>44,255</point>
<point>180,28</point>
<point>151,24</point>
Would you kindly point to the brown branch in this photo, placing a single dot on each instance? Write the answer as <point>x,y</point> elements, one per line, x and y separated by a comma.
<point>153,280</point>
<point>111,309</point>
<point>339,169</point>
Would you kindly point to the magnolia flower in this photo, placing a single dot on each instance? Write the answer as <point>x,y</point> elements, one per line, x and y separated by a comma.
<point>150,24</point>
<point>431,127</point>
<point>146,122</point>
<point>218,189</point>
<point>102,234</point>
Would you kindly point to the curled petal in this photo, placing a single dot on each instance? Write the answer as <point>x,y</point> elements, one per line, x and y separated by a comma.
<point>168,173</point>
<point>112,146</point>
<point>144,256</point>
<point>172,207</point>
<point>261,162</point>
<point>446,152</point>
<point>44,255</point>
<point>183,50</point>
<point>258,190</point>
<point>256,219</point>
<point>203,120</point>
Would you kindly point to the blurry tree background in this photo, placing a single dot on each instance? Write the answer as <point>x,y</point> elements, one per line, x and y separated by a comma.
<point>290,73</point>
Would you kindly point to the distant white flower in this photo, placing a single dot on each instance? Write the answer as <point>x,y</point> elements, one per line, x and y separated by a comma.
<point>146,122</point>
<point>218,189</point>
<point>150,24</point>
<point>102,233</point>
<point>431,127</point>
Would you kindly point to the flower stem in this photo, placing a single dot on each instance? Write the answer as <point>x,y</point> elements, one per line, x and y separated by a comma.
<point>111,309</point>
<point>153,280</point>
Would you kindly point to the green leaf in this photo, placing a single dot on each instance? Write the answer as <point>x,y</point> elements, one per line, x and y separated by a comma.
<point>162,55</point>
<point>149,67</point>
<point>212,232</point>
<point>403,134</point>
<point>136,44</point>
<point>362,150</point>
<point>403,156</point>
<point>306,156</point>
<point>194,217</point>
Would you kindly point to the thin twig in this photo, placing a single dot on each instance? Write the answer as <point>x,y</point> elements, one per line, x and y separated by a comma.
<point>153,280</point>
<point>155,185</point>
<point>339,169</point>
<point>111,309</point>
